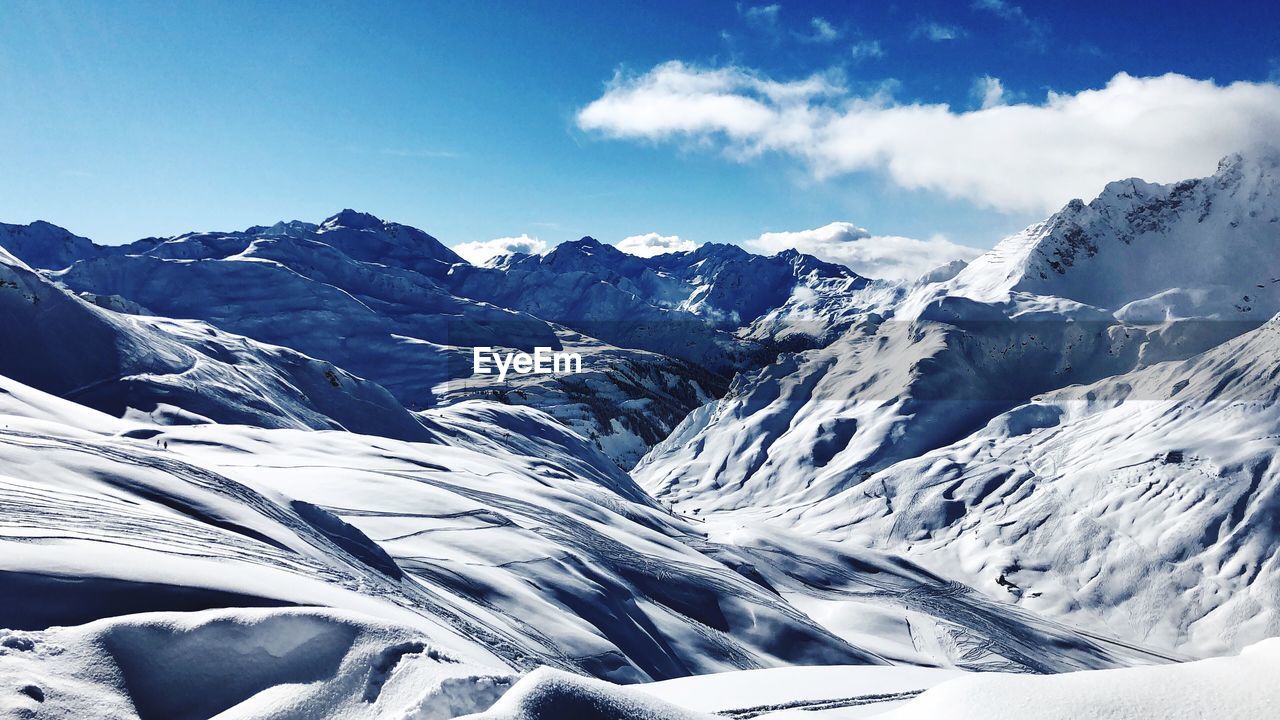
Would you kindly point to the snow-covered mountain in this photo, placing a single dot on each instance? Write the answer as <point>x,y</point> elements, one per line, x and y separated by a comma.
<point>394,305</point>
<point>318,289</point>
<point>1146,503</point>
<point>685,304</point>
<point>45,245</point>
<point>177,371</point>
<point>1149,252</point>
<point>1059,457</point>
<point>912,431</point>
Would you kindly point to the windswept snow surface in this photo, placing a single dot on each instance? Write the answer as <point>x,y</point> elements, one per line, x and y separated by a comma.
<point>856,690</point>
<point>507,545</point>
<point>1230,688</point>
<point>1144,504</point>
<point>245,663</point>
<point>1080,421</point>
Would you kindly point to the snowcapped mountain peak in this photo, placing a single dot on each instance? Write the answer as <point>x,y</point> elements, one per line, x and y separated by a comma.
<point>808,266</point>
<point>44,244</point>
<point>291,228</point>
<point>589,254</point>
<point>1138,240</point>
<point>586,245</point>
<point>354,219</point>
<point>720,250</point>
<point>1262,158</point>
<point>370,239</point>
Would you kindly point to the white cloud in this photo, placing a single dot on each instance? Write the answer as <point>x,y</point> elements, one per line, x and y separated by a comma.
<point>479,251</point>
<point>865,49</point>
<point>937,32</point>
<point>1016,157</point>
<point>989,91</point>
<point>823,31</point>
<point>762,16</point>
<point>878,256</point>
<point>651,244</point>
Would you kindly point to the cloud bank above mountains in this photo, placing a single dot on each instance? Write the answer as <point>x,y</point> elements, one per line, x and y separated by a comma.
<point>878,256</point>
<point>650,244</point>
<point>1162,129</point>
<point>481,250</point>
<point>890,257</point>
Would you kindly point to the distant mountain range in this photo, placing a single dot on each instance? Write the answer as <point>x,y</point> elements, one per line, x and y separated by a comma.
<point>395,306</point>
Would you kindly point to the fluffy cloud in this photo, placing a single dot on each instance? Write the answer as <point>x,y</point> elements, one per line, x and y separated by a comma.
<point>1016,157</point>
<point>989,91</point>
<point>651,244</point>
<point>878,256</point>
<point>479,251</point>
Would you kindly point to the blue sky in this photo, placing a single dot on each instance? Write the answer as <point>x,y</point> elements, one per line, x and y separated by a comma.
<point>129,119</point>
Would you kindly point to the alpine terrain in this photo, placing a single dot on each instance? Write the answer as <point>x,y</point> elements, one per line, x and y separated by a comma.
<point>252,474</point>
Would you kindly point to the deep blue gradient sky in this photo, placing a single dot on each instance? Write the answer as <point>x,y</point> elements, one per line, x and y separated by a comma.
<point>128,119</point>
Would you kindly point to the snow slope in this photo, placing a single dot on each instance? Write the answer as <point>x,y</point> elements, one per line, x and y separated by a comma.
<point>910,433</point>
<point>508,544</point>
<point>303,663</point>
<point>1231,688</point>
<point>623,401</point>
<point>177,371</point>
<point>1146,503</point>
<point>536,559</point>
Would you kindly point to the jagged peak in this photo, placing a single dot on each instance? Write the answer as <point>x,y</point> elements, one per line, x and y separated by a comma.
<point>283,227</point>
<point>1261,163</point>
<point>709,249</point>
<point>1259,157</point>
<point>585,245</point>
<point>804,264</point>
<point>353,219</point>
